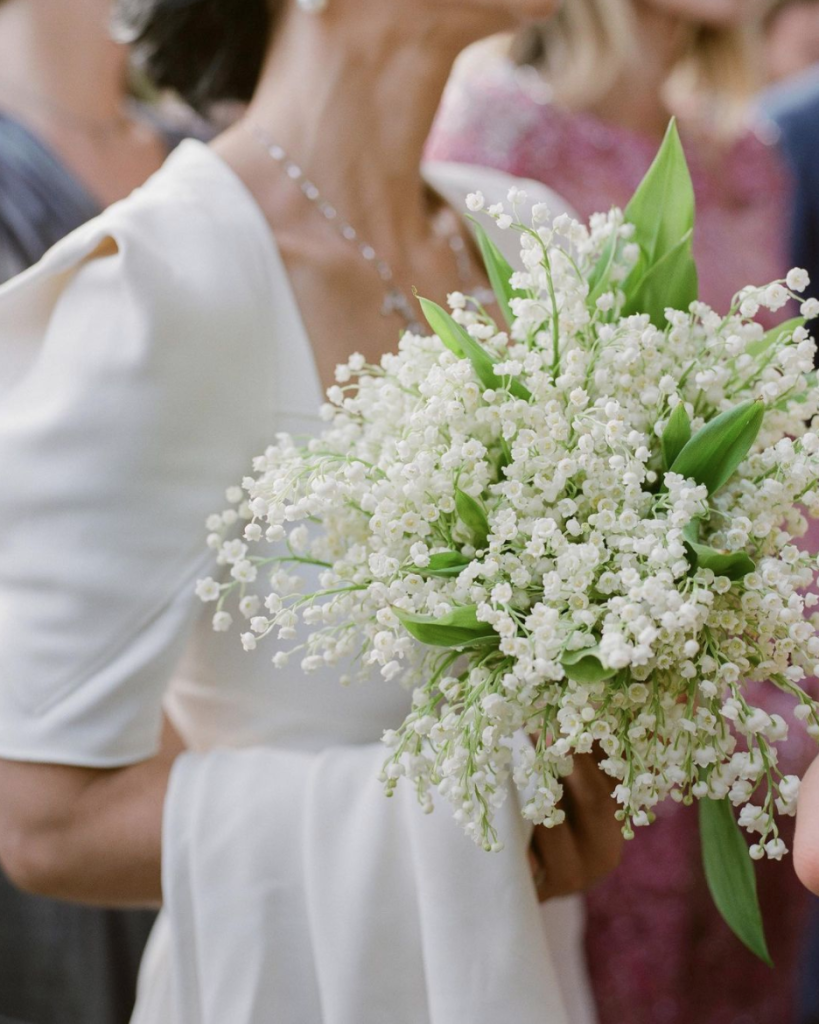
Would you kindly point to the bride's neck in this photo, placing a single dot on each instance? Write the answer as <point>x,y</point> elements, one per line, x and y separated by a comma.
<point>354,112</point>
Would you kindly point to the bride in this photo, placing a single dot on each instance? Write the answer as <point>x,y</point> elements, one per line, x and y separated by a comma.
<point>146,360</point>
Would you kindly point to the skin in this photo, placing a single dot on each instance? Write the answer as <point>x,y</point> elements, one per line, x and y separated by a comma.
<point>351,95</point>
<point>792,43</point>
<point>664,29</point>
<point>806,842</point>
<point>57,59</point>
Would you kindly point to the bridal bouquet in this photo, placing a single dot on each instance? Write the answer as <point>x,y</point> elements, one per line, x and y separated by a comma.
<point>578,525</point>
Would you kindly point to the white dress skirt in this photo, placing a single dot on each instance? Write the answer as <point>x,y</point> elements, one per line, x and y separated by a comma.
<point>143,363</point>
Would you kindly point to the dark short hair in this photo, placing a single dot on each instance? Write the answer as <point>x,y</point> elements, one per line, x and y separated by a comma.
<point>206,50</point>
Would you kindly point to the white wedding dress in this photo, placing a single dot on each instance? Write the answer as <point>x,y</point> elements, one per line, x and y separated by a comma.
<point>143,363</point>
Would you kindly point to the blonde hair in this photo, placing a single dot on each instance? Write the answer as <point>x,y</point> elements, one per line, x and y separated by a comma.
<point>585,47</point>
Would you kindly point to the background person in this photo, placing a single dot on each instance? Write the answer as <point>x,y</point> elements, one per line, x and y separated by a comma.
<point>72,140</point>
<point>584,103</point>
<point>791,39</point>
<point>791,102</point>
<point>585,112</point>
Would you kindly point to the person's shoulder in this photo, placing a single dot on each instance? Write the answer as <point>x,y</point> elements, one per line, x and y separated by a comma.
<point>195,220</point>
<point>192,225</point>
<point>492,112</point>
<point>456,180</point>
<point>186,261</point>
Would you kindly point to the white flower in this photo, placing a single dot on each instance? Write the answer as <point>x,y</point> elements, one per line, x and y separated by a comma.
<point>249,605</point>
<point>222,621</point>
<point>244,571</point>
<point>234,550</point>
<point>752,818</point>
<point>775,849</point>
<point>789,788</point>
<point>775,297</point>
<point>475,202</point>
<point>207,589</point>
<point>797,280</point>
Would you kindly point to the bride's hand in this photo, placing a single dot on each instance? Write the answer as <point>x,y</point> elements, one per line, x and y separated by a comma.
<point>572,857</point>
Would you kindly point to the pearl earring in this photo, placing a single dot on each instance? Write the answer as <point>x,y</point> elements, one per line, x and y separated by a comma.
<point>312,6</point>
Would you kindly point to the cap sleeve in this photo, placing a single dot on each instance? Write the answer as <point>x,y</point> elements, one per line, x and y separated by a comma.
<point>131,377</point>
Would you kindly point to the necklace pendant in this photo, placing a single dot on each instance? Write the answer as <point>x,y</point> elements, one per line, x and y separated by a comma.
<point>388,306</point>
<point>395,302</point>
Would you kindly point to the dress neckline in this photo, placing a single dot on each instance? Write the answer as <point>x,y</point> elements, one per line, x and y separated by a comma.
<point>440,175</point>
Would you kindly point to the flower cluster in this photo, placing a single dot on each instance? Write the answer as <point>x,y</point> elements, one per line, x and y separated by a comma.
<point>580,528</point>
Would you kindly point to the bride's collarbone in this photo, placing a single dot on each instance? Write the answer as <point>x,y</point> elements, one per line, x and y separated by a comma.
<point>341,296</point>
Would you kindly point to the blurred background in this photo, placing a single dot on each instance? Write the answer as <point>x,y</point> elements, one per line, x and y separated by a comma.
<point>581,104</point>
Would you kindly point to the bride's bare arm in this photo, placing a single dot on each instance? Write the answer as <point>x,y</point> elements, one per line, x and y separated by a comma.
<point>86,834</point>
<point>94,836</point>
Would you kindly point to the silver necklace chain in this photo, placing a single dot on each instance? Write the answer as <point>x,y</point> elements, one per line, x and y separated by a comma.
<point>395,299</point>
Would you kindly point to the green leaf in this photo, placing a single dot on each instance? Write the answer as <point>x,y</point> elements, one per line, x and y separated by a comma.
<point>444,564</point>
<point>733,564</point>
<point>662,208</point>
<point>499,271</point>
<point>584,666</point>
<point>450,333</point>
<point>473,517</point>
<point>715,451</point>
<point>772,337</point>
<point>600,277</point>
<point>460,628</point>
<point>670,282</point>
<point>730,874</point>
<point>662,212</point>
<point>572,657</point>
<point>676,435</point>
<point>464,346</point>
<point>504,456</point>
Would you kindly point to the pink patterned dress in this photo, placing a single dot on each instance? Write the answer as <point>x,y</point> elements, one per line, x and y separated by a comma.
<point>658,951</point>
